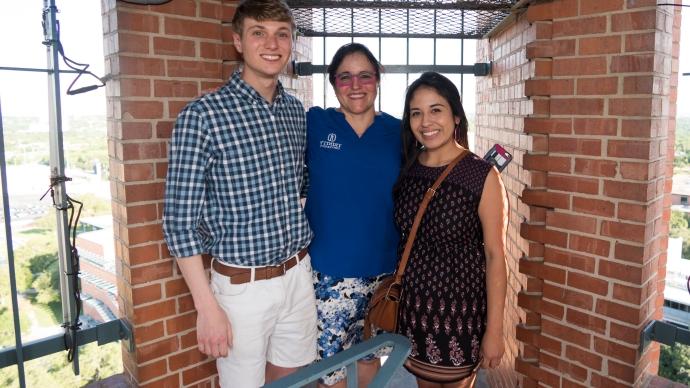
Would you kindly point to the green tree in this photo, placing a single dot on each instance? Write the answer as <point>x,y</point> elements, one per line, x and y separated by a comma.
<point>677,224</point>
<point>681,161</point>
<point>46,292</point>
<point>674,363</point>
<point>95,363</point>
<point>678,227</point>
<point>38,254</point>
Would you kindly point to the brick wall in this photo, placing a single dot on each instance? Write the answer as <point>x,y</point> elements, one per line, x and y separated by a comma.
<point>592,179</point>
<point>161,57</point>
<point>501,107</point>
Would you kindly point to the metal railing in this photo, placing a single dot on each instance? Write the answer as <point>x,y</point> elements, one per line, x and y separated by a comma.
<point>73,336</point>
<point>665,333</point>
<point>477,69</point>
<point>400,350</point>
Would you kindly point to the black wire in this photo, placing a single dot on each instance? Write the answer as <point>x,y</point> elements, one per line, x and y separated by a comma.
<point>80,68</point>
<point>675,5</point>
<point>74,275</point>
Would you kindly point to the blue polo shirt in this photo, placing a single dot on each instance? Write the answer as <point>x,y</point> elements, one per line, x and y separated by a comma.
<point>350,198</point>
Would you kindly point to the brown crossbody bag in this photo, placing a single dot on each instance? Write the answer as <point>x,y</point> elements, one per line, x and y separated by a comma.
<point>383,307</point>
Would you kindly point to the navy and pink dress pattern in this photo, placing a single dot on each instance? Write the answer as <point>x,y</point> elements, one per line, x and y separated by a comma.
<point>443,306</point>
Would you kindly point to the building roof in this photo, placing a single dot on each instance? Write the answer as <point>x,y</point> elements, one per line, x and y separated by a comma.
<point>104,238</point>
<point>681,184</point>
<point>101,222</point>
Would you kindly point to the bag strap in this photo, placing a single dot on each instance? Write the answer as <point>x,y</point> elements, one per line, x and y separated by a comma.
<point>420,213</point>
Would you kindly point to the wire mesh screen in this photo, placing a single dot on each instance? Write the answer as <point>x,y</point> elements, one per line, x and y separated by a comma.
<point>388,18</point>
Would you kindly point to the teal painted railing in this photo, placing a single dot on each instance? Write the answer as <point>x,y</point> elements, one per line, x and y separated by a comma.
<point>348,358</point>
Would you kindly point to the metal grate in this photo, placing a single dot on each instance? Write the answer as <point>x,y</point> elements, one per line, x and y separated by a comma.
<point>469,19</point>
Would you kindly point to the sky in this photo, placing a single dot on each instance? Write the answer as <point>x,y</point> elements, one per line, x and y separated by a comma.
<point>21,34</point>
<point>24,93</point>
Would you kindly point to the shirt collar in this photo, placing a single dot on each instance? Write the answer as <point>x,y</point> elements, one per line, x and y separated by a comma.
<point>237,84</point>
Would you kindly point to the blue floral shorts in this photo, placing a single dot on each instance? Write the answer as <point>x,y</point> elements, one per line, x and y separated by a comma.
<point>341,304</point>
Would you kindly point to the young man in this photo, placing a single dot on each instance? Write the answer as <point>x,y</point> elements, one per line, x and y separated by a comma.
<point>233,191</point>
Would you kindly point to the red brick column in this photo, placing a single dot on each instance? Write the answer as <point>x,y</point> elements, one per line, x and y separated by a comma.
<point>501,107</point>
<point>160,57</point>
<point>595,154</point>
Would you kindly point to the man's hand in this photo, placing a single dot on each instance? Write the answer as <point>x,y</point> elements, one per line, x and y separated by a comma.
<point>213,331</point>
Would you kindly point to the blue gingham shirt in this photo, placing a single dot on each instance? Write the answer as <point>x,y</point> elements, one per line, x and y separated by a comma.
<point>235,172</point>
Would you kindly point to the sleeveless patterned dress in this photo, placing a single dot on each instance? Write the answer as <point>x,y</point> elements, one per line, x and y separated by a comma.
<point>443,306</point>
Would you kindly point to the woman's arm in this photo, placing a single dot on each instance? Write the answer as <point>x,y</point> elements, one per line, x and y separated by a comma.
<point>493,213</point>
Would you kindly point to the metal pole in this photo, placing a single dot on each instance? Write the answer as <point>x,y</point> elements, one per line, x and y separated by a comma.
<point>407,48</point>
<point>35,70</point>
<point>57,178</point>
<point>434,53</point>
<point>10,258</point>
<point>380,56</point>
<point>324,89</point>
<point>462,57</point>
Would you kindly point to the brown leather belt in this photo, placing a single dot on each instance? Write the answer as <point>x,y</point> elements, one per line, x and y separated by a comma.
<point>239,275</point>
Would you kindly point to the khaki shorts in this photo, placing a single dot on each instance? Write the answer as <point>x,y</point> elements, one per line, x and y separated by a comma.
<point>272,320</point>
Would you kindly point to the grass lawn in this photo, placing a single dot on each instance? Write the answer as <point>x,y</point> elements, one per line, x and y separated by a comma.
<point>46,316</point>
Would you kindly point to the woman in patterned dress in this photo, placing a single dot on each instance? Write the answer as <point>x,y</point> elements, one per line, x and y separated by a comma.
<point>454,286</point>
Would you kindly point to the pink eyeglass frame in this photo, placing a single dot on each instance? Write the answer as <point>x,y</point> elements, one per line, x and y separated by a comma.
<point>361,81</point>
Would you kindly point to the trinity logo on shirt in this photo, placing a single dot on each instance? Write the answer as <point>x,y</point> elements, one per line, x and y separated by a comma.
<point>330,142</point>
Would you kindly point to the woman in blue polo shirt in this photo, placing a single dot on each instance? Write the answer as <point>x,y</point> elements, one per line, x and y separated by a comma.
<point>353,158</point>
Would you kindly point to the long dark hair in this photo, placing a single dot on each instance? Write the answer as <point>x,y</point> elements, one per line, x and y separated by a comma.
<point>352,48</point>
<point>446,89</point>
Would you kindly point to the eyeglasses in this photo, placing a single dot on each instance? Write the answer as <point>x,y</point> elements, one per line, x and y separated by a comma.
<point>346,79</point>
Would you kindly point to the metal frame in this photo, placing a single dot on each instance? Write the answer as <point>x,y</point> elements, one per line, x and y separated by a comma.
<point>663,332</point>
<point>400,350</point>
<point>470,5</point>
<point>309,69</point>
<point>57,176</point>
<point>19,354</point>
<point>103,333</point>
<point>36,70</point>
<point>312,18</point>
<point>478,69</point>
<point>478,17</point>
